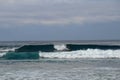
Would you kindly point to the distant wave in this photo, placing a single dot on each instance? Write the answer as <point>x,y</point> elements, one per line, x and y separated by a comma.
<point>73,47</point>
<point>63,47</point>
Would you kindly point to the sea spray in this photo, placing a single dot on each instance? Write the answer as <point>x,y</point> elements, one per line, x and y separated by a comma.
<point>60,47</point>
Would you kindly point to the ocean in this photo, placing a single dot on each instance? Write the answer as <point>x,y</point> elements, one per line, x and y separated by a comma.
<point>60,60</point>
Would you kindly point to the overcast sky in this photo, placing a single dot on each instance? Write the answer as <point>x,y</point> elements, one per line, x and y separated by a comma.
<point>59,20</point>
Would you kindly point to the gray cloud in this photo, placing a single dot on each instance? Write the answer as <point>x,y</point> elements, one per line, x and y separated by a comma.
<point>59,19</point>
<point>47,12</point>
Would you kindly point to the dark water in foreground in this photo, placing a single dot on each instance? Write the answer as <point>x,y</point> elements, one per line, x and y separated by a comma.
<point>60,69</point>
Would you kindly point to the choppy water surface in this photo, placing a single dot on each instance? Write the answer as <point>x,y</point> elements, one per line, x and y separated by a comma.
<point>60,69</point>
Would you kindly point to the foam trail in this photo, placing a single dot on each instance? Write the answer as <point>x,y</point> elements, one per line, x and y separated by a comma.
<point>89,53</point>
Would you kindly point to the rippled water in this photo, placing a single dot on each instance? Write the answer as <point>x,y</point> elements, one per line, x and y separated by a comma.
<point>60,69</point>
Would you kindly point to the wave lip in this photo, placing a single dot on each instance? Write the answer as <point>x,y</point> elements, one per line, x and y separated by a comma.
<point>89,53</point>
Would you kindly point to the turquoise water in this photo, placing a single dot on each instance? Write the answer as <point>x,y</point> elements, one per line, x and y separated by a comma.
<point>21,55</point>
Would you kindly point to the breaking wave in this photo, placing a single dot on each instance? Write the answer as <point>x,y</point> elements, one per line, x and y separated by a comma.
<point>63,51</point>
<point>89,53</point>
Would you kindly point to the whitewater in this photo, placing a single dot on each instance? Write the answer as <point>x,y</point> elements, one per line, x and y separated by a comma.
<point>89,53</point>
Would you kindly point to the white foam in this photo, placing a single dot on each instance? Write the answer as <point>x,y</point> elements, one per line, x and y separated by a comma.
<point>7,49</point>
<point>60,47</point>
<point>89,53</point>
<point>3,51</point>
<point>2,54</point>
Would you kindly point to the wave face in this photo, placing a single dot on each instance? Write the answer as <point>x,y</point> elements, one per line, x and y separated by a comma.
<point>89,53</point>
<point>36,48</point>
<point>21,55</point>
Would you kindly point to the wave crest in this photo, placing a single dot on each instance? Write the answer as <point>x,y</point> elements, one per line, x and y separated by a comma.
<point>60,47</point>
